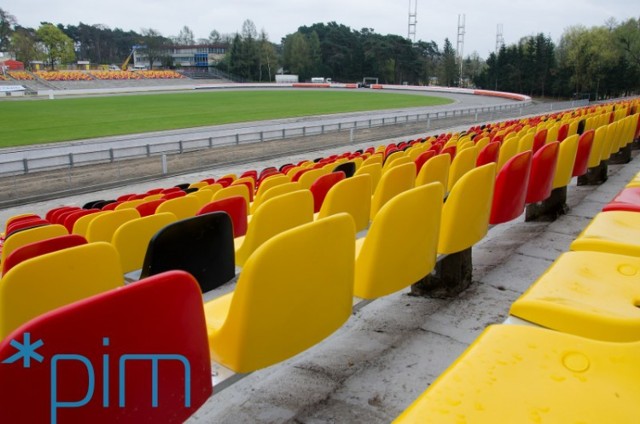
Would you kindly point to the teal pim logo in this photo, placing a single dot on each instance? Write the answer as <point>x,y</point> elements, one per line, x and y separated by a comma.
<point>27,352</point>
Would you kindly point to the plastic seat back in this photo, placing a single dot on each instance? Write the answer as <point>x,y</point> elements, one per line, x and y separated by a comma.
<point>274,191</point>
<point>235,207</point>
<point>82,224</point>
<point>322,185</point>
<point>464,161</point>
<point>585,143</point>
<point>132,238</point>
<point>249,182</point>
<point>348,168</point>
<point>558,369</point>
<point>203,196</point>
<point>39,248</point>
<point>465,214</point>
<point>510,191</point>
<point>31,235</point>
<point>566,160</point>
<point>58,278</point>
<point>488,154</point>
<point>271,316</point>
<point>400,246</point>
<point>508,150</point>
<point>149,208</point>
<point>24,224</point>
<point>543,170</point>
<point>182,207</point>
<point>157,320</point>
<point>351,196</point>
<point>270,181</point>
<point>103,227</point>
<point>597,148</point>
<point>435,169</point>
<point>539,140</point>
<point>232,190</point>
<point>393,182</point>
<point>422,158</point>
<point>273,217</point>
<point>308,178</point>
<point>200,245</point>
<point>374,169</point>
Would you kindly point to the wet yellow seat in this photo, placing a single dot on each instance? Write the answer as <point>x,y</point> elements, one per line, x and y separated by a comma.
<point>613,232</point>
<point>435,169</point>
<point>400,246</point>
<point>49,281</point>
<point>31,235</point>
<point>294,291</point>
<point>183,207</point>
<point>465,214</point>
<point>393,182</point>
<point>132,238</point>
<point>464,161</point>
<point>590,294</point>
<point>523,374</point>
<point>353,196</point>
<point>375,170</point>
<point>566,160</point>
<point>103,227</point>
<point>273,217</point>
<point>277,190</point>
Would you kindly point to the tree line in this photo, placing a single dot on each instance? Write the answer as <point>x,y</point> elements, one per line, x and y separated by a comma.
<point>597,62</point>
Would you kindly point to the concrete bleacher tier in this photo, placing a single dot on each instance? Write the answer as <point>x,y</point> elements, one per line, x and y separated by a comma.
<point>300,272</point>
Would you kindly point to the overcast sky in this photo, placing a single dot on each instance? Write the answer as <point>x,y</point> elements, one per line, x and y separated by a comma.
<point>436,19</point>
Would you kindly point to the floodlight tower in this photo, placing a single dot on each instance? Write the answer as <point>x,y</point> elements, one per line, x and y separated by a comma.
<point>413,20</point>
<point>499,38</point>
<point>460,45</point>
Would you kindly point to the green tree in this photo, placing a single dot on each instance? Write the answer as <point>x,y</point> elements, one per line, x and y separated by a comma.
<point>154,46</point>
<point>185,37</point>
<point>25,46</point>
<point>268,57</point>
<point>57,46</point>
<point>449,73</point>
<point>297,55</point>
<point>7,23</point>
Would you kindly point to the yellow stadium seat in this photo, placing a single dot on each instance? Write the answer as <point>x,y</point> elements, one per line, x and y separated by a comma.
<point>271,316</point>
<point>566,160</point>
<point>277,190</point>
<point>273,217</point>
<point>351,195</point>
<point>103,227</point>
<point>523,374</point>
<point>464,161</point>
<point>613,232</point>
<point>81,225</point>
<point>589,294</point>
<point>375,170</point>
<point>198,185</point>
<point>400,246</point>
<point>181,207</point>
<point>55,279</point>
<point>212,188</point>
<point>129,204</point>
<point>373,159</point>
<point>203,196</point>
<point>525,143</point>
<point>132,238</point>
<point>309,177</point>
<point>435,169</point>
<point>508,150</point>
<point>269,182</point>
<point>465,214</point>
<point>31,235</point>
<point>597,148</point>
<point>393,182</point>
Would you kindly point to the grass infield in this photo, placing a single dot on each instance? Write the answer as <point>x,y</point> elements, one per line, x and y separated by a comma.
<point>33,122</point>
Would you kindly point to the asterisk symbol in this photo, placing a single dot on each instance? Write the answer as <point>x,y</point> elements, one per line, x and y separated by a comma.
<point>26,351</point>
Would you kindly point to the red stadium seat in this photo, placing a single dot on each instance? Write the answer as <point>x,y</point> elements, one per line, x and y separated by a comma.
<point>488,154</point>
<point>71,219</point>
<point>543,170</point>
<point>42,247</point>
<point>584,150</point>
<point>149,208</point>
<point>321,187</point>
<point>235,207</point>
<point>422,159</point>
<point>510,191</point>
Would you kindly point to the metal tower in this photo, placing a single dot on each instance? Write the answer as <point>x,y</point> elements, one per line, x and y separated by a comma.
<point>499,38</point>
<point>460,45</point>
<point>413,20</point>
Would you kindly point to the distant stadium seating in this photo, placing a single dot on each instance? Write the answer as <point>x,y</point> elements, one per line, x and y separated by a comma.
<point>63,75</point>
<point>159,74</point>
<point>115,75</point>
<point>21,75</point>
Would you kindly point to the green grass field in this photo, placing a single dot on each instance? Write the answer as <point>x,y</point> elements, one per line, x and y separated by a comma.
<point>32,122</point>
